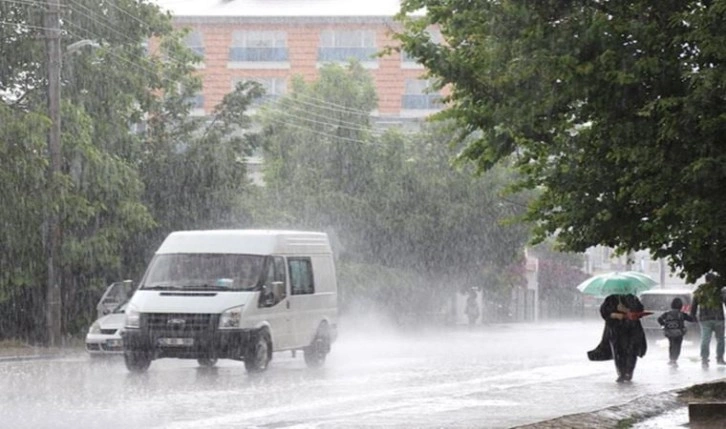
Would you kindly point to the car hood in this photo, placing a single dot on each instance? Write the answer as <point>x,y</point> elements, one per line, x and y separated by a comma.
<point>112,321</point>
<point>151,301</point>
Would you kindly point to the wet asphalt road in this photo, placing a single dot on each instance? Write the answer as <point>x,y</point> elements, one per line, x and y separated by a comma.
<point>487,377</point>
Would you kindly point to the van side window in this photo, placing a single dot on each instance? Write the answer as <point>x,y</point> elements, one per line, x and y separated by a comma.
<point>301,276</point>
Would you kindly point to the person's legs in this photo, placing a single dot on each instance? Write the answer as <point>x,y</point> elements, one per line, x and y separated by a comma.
<point>706,329</point>
<point>630,360</point>
<point>718,330</point>
<point>618,358</point>
<point>675,348</point>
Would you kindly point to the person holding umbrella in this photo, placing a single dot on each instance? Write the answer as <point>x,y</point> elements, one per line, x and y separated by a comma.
<point>623,338</point>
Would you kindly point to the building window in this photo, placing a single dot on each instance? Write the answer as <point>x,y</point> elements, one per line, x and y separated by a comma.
<point>195,42</point>
<point>196,104</point>
<point>258,46</point>
<point>418,96</point>
<point>275,87</point>
<point>301,276</point>
<point>343,45</point>
<point>408,62</point>
<point>197,101</point>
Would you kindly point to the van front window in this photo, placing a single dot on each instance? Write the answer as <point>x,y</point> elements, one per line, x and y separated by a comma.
<point>197,271</point>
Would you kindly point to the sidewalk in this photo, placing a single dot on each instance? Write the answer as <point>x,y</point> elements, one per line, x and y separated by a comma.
<point>16,351</point>
<point>667,410</point>
<point>619,416</point>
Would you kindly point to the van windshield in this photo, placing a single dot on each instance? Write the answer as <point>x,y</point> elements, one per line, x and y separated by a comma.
<point>203,271</point>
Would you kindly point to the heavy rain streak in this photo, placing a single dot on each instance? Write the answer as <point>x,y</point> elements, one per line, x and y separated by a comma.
<point>338,214</point>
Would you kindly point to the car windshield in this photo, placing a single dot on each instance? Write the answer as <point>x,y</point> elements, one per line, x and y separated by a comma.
<point>121,308</point>
<point>662,302</point>
<point>203,271</point>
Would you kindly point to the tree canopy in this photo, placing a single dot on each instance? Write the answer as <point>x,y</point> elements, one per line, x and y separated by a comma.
<point>135,163</point>
<point>391,198</point>
<point>614,109</point>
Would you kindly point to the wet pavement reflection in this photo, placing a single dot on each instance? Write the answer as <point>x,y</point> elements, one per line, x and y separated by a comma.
<point>487,376</point>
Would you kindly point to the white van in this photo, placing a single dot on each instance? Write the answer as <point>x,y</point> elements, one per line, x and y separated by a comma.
<point>234,294</point>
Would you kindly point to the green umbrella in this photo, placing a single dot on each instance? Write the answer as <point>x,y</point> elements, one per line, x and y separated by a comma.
<point>616,283</point>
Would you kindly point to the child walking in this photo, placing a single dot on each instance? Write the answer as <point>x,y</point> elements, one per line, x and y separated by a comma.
<point>674,328</point>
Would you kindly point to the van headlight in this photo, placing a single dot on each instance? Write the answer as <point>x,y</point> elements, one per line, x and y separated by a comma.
<point>95,328</point>
<point>231,318</point>
<point>133,317</point>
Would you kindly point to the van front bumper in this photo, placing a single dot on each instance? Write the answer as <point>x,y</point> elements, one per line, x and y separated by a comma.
<point>222,344</point>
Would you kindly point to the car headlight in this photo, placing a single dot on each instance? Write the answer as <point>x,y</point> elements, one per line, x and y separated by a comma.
<point>133,317</point>
<point>95,328</point>
<point>231,319</point>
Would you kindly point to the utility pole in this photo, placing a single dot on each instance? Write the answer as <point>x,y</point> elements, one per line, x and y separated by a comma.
<point>53,234</point>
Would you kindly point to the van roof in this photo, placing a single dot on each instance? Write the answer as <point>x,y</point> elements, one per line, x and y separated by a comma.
<point>246,241</point>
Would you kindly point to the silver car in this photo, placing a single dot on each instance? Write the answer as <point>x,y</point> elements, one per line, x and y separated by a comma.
<point>659,301</point>
<point>104,335</point>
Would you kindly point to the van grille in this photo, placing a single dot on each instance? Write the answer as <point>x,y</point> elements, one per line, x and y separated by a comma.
<point>178,322</point>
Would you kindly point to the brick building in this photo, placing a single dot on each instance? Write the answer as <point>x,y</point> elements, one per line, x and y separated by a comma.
<point>270,41</point>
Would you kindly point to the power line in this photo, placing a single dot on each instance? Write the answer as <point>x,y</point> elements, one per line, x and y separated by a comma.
<point>313,121</point>
<point>24,25</point>
<point>284,107</point>
<point>24,3</point>
<point>320,133</point>
<point>338,107</point>
<point>110,52</point>
<point>95,17</point>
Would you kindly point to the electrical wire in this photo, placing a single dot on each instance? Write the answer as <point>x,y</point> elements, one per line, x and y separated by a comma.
<point>150,71</point>
<point>320,133</point>
<point>21,2</point>
<point>95,17</point>
<point>24,25</point>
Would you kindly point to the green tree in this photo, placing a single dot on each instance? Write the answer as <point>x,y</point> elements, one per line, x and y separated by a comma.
<point>135,163</point>
<point>198,179</point>
<point>391,199</point>
<point>614,109</point>
<point>317,145</point>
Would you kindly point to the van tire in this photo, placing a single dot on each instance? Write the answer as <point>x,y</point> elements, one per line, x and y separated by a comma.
<point>318,349</point>
<point>259,352</point>
<point>207,362</point>
<point>137,361</point>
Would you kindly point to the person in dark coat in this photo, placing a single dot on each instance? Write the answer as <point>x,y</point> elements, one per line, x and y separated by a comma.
<point>674,328</point>
<point>623,338</point>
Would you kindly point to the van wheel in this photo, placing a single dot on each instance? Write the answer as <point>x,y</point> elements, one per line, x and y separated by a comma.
<point>316,352</point>
<point>137,361</point>
<point>207,362</point>
<point>259,352</point>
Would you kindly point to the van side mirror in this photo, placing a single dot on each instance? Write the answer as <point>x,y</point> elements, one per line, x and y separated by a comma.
<point>278,289</point>
<point>267,296</point>
<point>272,293</point>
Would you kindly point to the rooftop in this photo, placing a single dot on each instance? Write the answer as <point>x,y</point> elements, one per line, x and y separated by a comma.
<point>280,8</point>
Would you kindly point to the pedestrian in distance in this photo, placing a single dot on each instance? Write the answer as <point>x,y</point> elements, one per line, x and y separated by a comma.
<point>472,307</point>
<point>707,308</point>
<point>674,328</point>
<point>623,338</point>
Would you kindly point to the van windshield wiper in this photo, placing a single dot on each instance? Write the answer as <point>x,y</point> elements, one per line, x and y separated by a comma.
<point>160,287</point>
<point>206,286</point>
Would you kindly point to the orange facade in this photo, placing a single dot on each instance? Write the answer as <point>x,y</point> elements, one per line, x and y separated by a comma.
<point>272,50</point>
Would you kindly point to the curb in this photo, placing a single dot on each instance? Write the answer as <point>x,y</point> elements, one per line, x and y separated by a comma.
<point>36,353</point>
<point>29,357</point>
<point>616,416</point>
